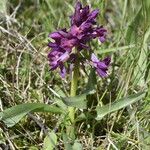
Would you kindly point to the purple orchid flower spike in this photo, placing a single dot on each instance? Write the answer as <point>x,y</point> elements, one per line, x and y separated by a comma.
<point>100,66</point>
<point>82,30</point>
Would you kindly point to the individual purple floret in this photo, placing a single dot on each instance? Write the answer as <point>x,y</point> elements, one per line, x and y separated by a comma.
<point>101,66</point>
<point>62,40</point>
<point>57,59</point>
<point>101,33</point>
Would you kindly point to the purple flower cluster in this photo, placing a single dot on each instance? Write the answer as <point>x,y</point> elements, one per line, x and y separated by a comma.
<point>83,29</point>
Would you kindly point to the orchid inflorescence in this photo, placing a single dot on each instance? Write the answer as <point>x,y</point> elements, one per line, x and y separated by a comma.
<point>68,44</point>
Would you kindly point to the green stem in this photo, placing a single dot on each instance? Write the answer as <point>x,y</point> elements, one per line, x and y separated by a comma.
<point>74,82</point>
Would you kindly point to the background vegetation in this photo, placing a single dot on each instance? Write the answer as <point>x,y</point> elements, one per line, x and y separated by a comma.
<point>25,75</point>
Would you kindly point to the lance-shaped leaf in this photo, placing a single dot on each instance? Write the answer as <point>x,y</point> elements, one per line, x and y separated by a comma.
<point>118,104</point>
<point>13,115</point>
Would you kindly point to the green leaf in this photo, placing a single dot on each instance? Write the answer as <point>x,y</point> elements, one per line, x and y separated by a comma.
<point>141,67</point>
<point>33,148</point>
<point>79,101</point>
<point>77,146</point>
<point>66,141</point>
<point>76,101</point>
<point>115,49</point>
<point>58,100</point>
<point>91,81</point>
<point>118,104</point>
<point>146,10</point>
<point>13,115</point>
<point>50,141</point>
<point>133,27</point>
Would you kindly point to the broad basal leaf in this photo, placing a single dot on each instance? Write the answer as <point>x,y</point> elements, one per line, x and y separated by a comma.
<point>13,115</point>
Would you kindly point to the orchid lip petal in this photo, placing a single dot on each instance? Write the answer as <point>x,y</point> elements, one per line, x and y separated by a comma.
<point>101,73</point>
<point>94,58</point>
<point>55,35</point>
<point>102,65</point>
<point>64,57</point>
<point>62,71</point>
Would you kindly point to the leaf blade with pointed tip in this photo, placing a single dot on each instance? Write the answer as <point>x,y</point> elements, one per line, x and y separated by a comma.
<point>14,114</point>
<point>104,110</point>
